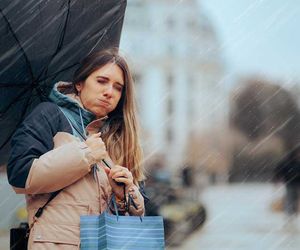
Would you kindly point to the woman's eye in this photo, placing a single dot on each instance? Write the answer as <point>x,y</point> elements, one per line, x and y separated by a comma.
<point>101,81</point>
<point>119,88</point>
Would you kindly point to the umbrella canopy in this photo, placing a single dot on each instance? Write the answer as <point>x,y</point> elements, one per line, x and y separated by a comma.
<point>41,42</point>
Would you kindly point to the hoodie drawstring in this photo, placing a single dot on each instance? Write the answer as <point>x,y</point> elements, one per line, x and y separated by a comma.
<point>82,125</point>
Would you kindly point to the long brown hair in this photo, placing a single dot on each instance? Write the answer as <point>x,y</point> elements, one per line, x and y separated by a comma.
<point>122,138</point>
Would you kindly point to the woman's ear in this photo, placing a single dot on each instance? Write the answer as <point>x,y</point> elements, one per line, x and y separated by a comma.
<point>78,86</point>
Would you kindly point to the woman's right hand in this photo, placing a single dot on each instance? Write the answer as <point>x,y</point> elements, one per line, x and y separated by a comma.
<point>97,146</point>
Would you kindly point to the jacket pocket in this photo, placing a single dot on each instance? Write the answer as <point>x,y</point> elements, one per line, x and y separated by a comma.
<point>63,214</point>
<point>58,234</point>
<point>59,224</point>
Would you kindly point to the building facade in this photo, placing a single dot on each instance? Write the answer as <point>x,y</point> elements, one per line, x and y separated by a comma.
<point>174,52</point>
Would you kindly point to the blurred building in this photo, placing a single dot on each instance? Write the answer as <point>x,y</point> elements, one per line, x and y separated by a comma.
<point>178,70</point>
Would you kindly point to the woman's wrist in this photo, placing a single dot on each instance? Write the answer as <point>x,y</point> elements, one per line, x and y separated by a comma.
<point>131,188</point>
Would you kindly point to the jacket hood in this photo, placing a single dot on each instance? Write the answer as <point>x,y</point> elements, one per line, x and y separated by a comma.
<point>63,95</point>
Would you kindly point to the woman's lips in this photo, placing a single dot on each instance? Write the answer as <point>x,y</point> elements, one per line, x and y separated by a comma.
<point>104,103</point>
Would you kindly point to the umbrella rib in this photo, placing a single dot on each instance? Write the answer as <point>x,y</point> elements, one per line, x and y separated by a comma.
<point>14,101</point>
<point>62,35</point>
<point>60,42</point>
<point>13,85</point>
<point>104,33</point>
<point>20,121</point>
<point>19,44</point>
<point>99,40</point>
<point>54,74</point>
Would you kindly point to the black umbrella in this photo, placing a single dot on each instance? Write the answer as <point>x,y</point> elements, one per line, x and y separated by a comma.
<point>41,42</point>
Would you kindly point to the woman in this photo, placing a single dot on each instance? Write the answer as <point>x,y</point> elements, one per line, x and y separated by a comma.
<point>49,152</point>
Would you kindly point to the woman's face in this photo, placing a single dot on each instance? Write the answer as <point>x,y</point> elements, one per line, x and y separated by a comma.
<point>102,90</point>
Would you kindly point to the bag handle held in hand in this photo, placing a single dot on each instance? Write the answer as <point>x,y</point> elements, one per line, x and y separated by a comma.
<point>127,204</point>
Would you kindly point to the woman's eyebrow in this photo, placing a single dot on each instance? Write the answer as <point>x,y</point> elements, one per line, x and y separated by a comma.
<point>107,79</point>
<point>103,77</point>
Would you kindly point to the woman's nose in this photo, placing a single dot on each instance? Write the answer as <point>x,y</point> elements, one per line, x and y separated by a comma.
<point>108,90</point>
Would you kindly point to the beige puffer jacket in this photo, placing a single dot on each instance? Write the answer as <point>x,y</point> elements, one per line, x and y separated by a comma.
<point>83,193</point>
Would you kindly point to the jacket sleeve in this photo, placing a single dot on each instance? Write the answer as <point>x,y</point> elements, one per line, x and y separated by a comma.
<point>140,199</point>
<point>35,166</point>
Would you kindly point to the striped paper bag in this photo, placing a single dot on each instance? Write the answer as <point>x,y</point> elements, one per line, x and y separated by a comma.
<point>117,232</point>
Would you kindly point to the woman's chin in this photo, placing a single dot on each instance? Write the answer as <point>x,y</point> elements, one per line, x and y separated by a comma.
<point>100,114</point>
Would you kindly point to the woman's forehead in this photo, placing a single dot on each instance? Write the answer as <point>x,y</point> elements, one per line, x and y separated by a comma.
<point>111,71</point>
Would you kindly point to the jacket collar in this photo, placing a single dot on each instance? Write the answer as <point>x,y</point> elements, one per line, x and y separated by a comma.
<point>71,102</point>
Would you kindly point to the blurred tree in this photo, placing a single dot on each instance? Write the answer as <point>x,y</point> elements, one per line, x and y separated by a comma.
<point>266,119</point>
<point>261,108</point>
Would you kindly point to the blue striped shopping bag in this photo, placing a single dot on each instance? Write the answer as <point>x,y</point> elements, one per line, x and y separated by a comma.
<point>117,232</point>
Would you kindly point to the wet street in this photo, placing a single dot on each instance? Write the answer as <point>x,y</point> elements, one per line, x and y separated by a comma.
<point>240,217</point>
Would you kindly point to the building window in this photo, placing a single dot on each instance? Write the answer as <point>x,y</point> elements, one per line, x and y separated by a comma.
<point>170,48</point>
<point>170,80</point>
<point>192,90</point>
<point>169,135</point>
<point>170,106</point>
<point>192,24</point>
<point>170,23</point>
<point>170,102</point>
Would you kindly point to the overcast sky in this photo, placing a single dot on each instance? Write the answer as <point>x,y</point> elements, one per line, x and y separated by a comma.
<point>258,36</point>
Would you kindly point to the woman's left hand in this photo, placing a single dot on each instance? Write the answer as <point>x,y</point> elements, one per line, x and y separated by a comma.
<point>118,174</point>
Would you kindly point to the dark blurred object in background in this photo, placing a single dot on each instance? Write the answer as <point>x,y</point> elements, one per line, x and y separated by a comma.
<point>288,171</point>
<point>267,118</point>
<point>261,109</point>
<point>188,176</point>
